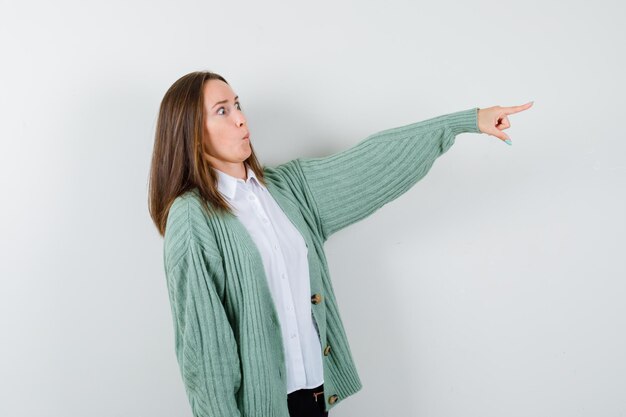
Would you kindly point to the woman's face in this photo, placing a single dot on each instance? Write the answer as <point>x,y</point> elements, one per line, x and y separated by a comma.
<point>225,127</point>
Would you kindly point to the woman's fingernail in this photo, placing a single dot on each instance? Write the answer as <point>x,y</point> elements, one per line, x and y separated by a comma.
<point>508,142</point>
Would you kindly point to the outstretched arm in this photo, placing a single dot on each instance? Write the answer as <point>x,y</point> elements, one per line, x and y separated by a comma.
<point>350,185</point>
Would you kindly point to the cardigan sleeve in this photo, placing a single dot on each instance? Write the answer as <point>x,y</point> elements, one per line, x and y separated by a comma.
<point>205,345</point>
<point>350,185</point>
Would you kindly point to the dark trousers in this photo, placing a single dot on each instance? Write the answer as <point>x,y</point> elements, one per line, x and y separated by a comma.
<point>307,403</point>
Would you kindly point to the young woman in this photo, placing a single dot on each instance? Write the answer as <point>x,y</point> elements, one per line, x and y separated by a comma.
<point>256,321</point>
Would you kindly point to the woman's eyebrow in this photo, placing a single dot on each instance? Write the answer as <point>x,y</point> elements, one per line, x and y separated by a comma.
<point>224,101</point>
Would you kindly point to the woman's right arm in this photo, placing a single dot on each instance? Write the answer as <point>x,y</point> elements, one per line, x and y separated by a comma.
<point>205,345</point>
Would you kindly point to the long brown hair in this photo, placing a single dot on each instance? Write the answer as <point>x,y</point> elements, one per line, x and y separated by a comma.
<point>178,164</point>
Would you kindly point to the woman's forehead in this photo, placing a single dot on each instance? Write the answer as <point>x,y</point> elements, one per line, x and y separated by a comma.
<point>216,90</point>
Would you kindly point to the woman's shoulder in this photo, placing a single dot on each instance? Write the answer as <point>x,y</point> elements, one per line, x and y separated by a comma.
<point>188,223</point>
<point>186,199</point>
<point>281,172</point>
<point>185,208</point>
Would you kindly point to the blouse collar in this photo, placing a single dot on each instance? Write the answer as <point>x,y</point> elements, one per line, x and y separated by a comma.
<point>227,184</point>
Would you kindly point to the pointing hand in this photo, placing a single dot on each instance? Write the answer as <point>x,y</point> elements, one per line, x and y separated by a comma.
<point>493,120</point>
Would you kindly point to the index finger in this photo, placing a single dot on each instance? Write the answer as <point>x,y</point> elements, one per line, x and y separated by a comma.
<point>517,109</point>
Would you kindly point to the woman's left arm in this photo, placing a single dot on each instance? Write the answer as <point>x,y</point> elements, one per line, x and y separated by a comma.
<point>350,185</point>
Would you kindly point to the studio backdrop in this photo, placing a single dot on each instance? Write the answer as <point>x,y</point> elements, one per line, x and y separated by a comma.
<point>494,286</point>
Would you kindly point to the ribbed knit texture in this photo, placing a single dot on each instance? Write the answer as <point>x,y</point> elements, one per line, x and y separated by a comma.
<point>227,333</point>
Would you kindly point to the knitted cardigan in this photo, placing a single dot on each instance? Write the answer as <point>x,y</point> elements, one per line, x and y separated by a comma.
<point>227,334</point>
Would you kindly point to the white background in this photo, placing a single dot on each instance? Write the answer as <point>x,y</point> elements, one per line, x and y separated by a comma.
<point>494,287</point>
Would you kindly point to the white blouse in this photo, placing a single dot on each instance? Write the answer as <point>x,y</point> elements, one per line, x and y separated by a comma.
<point>284,255</point>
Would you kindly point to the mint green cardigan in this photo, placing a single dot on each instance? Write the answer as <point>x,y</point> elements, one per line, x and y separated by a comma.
<point>227,334</point>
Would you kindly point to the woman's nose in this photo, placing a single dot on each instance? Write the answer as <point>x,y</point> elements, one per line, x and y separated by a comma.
<point>240,120</point>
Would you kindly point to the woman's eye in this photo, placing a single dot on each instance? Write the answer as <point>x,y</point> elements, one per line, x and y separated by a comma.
<point>238,106</point>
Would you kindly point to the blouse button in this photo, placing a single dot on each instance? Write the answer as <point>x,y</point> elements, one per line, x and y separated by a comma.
<point>333,399</point>
<point>327,350</point>
<point>316,298</point>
